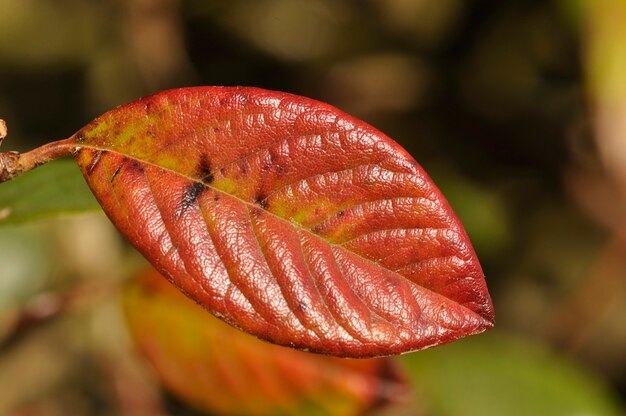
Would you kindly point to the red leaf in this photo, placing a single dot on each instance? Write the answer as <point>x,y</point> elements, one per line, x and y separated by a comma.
<point>212,366</point>
<point>288,219</point>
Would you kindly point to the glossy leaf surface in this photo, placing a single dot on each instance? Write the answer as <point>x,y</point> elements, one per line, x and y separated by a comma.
<point>288,219</point>
<point>217,368</point>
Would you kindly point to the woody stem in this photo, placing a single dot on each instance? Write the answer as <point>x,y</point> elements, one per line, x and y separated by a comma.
<point>13,164</point>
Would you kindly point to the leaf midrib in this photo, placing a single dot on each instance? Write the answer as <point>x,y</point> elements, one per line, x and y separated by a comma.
<point>292,223</point>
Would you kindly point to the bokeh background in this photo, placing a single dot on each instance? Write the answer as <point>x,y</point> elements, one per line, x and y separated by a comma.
<point>517,109</point>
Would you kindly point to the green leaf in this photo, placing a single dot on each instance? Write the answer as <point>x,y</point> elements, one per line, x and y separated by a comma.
<point>54,189</point>
<point>499,375</point>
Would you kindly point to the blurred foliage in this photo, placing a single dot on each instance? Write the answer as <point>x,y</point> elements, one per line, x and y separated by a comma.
<point>497,374</point>
<point>25,255</point>
<point>249,376</point>
<point>515,108</point>
<point>54,189</point>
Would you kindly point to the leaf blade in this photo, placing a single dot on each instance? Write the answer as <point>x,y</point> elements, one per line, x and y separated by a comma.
<point>223,173</point>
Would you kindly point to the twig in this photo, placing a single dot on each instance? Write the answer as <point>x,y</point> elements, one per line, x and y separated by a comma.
<point>13,164</point>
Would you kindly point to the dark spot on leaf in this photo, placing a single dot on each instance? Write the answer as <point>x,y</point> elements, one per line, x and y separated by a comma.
<point>302,306</point>
<point>190,195</point>
<point>216,129</point>
<point>95,161</point>
<point>340,213</point>
<point>80,137</point>
<point>279,169</point>
<point>260,201</point>
<point>117,172</point>
<point>216,197</point>
<point>134,166</point>
<point>204,170</point>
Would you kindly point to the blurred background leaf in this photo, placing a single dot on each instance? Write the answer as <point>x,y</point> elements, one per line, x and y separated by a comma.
<point>51,190</point>
<point>222,370</point>
<point>499,374</point>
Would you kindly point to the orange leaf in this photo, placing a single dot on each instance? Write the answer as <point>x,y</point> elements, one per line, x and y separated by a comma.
<point>217,368</point>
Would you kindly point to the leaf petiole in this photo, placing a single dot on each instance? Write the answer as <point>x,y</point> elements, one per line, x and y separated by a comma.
<point>13,163</point>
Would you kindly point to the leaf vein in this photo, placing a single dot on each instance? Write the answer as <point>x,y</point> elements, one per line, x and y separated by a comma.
<point>385,230</point>
<point>250,204</point>
<point>229,272</point>
<point>307,262</point>
<point>274,273</point>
